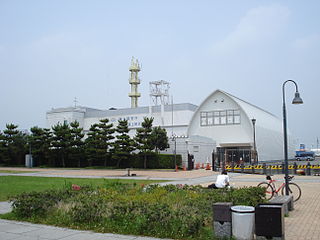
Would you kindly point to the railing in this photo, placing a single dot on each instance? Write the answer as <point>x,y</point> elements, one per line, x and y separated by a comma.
<point>297,169</point>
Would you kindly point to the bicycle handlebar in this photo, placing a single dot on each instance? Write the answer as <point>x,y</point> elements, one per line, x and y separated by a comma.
<point>289,178</point>
<point>268,177</point>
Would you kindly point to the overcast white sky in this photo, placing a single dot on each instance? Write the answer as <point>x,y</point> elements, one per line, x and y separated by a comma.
<point>54,51</point>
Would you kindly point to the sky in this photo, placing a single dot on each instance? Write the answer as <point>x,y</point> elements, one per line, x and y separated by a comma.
<point>54,51</point>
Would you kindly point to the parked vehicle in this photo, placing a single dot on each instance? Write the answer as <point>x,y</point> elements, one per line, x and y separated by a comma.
<point>304,156</point>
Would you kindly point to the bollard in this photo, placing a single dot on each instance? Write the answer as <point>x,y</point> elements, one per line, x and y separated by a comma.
<point>252,168</point>
<point>264,167</point>
<point>177,168</point>
<point>232,166</point>
<point>222,219</point>
<point>208,167</point>
<point>242,167</point>
<point>282,168</point>
<point>308,170</point>
<point>295,168</point>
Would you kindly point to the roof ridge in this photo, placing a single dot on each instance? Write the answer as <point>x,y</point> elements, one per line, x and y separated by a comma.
<point>248,103</point>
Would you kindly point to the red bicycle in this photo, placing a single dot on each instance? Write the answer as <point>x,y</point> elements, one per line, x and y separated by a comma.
<point>272,191</point>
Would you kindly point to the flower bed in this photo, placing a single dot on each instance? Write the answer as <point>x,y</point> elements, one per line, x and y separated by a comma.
<point>179,212</point>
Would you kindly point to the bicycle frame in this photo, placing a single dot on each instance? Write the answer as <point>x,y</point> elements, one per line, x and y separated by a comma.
<point>274,189</point>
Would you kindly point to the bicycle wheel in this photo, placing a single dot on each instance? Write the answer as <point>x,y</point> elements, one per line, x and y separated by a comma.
<point>294,190</point>
<point>269,189</point>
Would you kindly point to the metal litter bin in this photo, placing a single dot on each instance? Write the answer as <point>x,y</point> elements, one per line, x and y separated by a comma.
<point>269,221</point>
<point>242,222</point>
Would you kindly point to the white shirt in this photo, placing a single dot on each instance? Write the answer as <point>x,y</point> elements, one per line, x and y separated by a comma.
<point>222,181</point>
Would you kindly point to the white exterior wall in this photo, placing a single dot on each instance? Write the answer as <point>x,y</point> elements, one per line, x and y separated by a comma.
<point>54,118</point>
<point>224,135</point>
<point>181,119</point>
<point>180,122</point>
<point>200,147</point>
<point>269,134</point>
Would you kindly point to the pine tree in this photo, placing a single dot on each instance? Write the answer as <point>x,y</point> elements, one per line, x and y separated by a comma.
<point>91,143</point>
<point>159,138</point>
<point>62,141</point>
<point>77,144</point>
<point>105,136</point>
<point>39,144</point>
<point>13,145</point>
<point>123,145</point>
<point>143,138</point>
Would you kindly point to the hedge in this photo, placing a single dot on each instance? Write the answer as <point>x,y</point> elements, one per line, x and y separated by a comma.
<point>154,161</point>
<point>172,211</point>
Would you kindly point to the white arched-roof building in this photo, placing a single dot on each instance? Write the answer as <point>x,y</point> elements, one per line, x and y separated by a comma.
<point>227,120</point>
<point>221,125</point>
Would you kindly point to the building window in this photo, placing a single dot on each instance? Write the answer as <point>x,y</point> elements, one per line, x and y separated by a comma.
<point>226,117</point>
<point>223,118</point>
<point>210,118</point>
<point>203,118</point>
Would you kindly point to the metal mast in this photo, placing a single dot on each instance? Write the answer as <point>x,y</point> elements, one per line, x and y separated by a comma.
<point>134,81</point>
<point>159,94</point>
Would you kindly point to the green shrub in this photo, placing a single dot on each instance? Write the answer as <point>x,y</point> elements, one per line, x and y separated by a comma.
<point>38,203</point>
<point>87,208</point>
<point>171,211</point>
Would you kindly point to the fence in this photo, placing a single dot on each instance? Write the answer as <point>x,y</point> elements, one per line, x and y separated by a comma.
<point>294,169</point>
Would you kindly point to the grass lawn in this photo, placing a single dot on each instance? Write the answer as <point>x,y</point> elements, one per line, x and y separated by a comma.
<point>12,185</point>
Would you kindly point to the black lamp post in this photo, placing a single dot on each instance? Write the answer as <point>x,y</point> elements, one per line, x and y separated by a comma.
<point>255,159</point>
<point>296,100</point>
<point>175,150</point>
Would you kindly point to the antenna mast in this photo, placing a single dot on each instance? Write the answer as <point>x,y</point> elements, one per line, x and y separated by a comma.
<point>75,102</point>
<point>159,94</point>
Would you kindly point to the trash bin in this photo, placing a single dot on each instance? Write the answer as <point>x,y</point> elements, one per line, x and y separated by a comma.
<point>242,222</point>
<point>269,219</point>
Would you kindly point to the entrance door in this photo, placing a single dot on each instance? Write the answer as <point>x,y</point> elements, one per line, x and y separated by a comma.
<point>233,155</point>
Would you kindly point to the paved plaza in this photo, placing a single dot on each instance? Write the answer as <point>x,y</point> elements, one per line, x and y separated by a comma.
<point>302,223</point>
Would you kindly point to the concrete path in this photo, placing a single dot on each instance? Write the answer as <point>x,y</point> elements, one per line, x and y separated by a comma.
<point>302,223</point>
<point>12,230</point>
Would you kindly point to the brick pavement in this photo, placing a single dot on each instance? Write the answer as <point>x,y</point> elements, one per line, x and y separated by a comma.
<point>304,221</point>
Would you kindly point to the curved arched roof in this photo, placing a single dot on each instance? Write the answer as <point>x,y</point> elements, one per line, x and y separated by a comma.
<point>263,118</point>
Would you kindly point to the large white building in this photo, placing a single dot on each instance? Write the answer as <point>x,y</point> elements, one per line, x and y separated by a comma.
<point>224,127</point>
<point>174,118</point>
<point>221,124</point>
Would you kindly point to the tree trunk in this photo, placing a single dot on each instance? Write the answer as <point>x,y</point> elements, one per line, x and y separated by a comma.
<point>63,163</point>
<point>119,160</point>
<point>145,160</point>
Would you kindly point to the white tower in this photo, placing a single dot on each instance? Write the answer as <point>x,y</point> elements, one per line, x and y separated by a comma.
<point>134,81</point>
<point>159,94</point>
